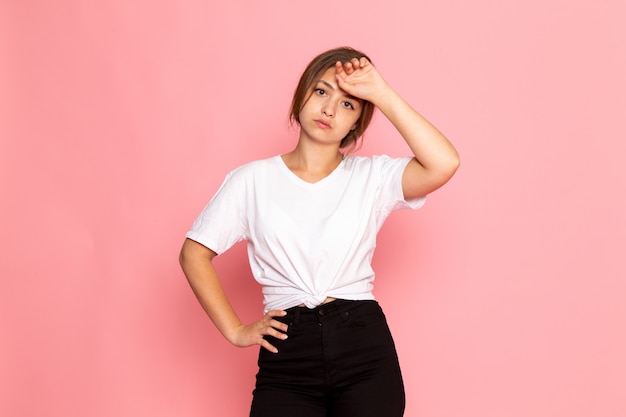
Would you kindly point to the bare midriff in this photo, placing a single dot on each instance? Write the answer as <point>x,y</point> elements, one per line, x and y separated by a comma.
<point>327,300</point>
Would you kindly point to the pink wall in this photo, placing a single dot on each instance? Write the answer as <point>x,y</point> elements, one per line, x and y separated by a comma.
<point>119,120</point>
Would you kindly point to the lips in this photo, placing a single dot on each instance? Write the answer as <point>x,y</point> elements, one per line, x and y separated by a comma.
<point>322,124</point>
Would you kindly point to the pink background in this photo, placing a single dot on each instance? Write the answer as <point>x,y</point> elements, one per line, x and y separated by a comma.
<point>119,119</point>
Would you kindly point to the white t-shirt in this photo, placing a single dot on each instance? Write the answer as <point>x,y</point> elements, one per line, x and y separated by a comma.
<point>306,241</point>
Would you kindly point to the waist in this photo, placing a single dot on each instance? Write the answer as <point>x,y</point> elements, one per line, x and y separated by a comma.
<point>275,300</point>
<point>339,309</point>
<point>326,301</point>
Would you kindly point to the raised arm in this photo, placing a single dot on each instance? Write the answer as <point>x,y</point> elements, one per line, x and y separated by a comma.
<point>197,263</point>
<point>436,160</point>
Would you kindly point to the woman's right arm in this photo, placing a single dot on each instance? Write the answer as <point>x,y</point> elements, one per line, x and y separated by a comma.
<point>197,263</point>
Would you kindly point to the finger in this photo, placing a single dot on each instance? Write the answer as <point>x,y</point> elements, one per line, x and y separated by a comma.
<point>270,322</point>
<point>338,67</point>
<point>276,313</point>
<point>348,67</point>
<point>276,334</point>
<point>267,345</point>
<point>363,62</point>
<point>275,324</point>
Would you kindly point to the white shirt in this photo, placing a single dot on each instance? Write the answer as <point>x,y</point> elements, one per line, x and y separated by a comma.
<point>306,241</point>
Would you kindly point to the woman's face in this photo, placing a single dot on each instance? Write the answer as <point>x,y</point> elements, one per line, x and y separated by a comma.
<point>329,113</point>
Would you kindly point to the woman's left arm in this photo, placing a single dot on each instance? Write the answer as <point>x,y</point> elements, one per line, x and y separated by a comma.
<point>436,160</point>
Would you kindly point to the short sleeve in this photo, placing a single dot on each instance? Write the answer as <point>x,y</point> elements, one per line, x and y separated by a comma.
<point>392,197</point>
<point>221,223</point>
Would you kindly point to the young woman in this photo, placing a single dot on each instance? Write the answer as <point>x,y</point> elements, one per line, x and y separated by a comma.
<point>310,217</point>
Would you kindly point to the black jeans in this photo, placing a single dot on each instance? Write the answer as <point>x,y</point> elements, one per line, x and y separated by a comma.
<point>338,361</point>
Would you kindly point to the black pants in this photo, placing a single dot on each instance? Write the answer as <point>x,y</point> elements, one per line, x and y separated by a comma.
<point>338,361</point>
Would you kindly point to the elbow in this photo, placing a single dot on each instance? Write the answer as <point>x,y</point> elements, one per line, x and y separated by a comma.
<point>449,168</point>
<point>181,257</point>
<point>186,254</point>
<point>454,164</point>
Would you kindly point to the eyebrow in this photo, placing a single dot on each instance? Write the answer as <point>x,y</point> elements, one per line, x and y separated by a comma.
<point>332,87</point>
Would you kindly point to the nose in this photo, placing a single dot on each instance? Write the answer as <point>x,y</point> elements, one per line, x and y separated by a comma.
<point>328,109</point>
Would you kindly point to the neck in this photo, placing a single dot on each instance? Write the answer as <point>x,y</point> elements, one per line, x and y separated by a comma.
<point>312,163</point>
<point>316,157</point>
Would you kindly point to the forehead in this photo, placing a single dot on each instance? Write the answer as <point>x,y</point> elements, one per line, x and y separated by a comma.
<point>328,73</point>
<point>327,77</point>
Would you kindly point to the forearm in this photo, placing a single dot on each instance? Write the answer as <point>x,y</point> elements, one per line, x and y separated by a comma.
<point>430,147</point>
<point>196,261</point>
<point>204,281</point>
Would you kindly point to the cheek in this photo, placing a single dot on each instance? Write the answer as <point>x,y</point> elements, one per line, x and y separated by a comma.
<point>303,112</point>
<point>356,119</point>
<point>308,105</point>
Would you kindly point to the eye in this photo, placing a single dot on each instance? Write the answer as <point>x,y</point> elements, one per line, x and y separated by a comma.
<point>348,105</point>
<point>320,91</point>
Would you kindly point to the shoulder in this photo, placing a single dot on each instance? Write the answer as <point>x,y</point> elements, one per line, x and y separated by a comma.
<point>254,168</point>
<point>381,163</point>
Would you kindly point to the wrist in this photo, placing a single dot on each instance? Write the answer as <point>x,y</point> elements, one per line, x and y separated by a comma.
<point>232,333</point>
<point>384,96</point>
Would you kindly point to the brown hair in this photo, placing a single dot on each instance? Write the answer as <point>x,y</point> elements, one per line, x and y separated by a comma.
<point>313,71</point>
